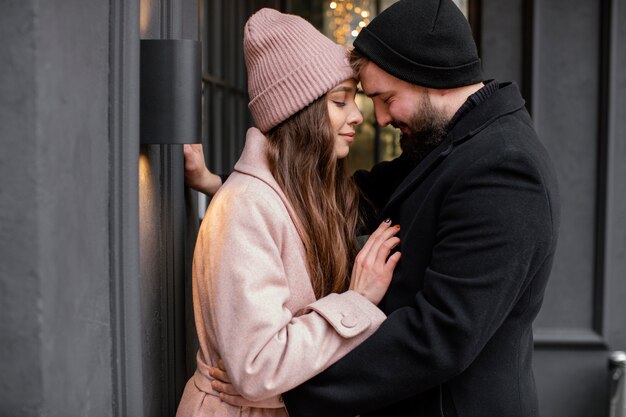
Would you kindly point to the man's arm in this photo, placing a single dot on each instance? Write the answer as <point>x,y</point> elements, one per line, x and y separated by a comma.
<point>495,230</point>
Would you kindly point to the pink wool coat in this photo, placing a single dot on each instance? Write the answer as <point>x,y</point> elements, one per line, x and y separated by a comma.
<point>253,301</point>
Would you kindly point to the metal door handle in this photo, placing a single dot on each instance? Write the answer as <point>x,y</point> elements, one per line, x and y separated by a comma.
<point>617,369</point>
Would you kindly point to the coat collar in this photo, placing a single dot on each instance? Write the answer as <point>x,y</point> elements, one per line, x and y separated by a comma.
<point>253,162</point>
<point>507,99</point>
<point>504,101</point>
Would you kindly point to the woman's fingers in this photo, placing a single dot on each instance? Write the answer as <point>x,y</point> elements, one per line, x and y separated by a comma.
<point>373,267</point>
<point>194,157</point>
<point>385,249</point>
<point>370,241</point>
<point>392,262</point>
<point>382,243</point>
<point>194,161</point>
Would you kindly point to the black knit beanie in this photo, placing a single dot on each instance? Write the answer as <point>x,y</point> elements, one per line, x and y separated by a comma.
<point>424,42</point>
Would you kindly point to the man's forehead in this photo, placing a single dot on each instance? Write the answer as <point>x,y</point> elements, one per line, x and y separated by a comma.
<point>373,80</point>
<point>373,89</point>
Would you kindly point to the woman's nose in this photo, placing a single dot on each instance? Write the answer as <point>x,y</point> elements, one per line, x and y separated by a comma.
<point>356,118</point>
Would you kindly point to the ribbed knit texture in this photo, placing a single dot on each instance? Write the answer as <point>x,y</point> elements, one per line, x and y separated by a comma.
<point>290,64</point>
<point>491,86</point>
<point>425,42</point>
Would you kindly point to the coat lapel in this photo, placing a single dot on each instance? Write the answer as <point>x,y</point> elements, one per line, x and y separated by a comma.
<point>419,172</point>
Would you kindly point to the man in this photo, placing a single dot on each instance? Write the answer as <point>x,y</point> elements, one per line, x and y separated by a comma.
<point>476,196</point>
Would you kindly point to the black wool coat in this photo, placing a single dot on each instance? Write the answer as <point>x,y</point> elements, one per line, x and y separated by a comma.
<point>479,223</point>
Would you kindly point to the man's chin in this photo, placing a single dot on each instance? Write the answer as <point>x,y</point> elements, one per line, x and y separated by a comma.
<point>417,145</point>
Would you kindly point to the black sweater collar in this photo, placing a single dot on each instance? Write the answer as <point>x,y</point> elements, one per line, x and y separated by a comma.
<point>490,87</point>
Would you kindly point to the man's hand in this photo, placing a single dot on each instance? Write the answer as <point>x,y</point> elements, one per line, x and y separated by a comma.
<point>229,394</point>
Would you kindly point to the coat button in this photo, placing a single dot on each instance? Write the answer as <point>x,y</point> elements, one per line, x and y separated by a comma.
<point>349,321</point>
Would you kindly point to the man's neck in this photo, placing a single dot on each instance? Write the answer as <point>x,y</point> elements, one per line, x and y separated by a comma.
<point>454,98</point>
<point>473,100</point>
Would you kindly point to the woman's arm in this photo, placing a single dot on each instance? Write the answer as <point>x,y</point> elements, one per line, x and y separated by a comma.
<point>269,348</point>
<point>371,276</point>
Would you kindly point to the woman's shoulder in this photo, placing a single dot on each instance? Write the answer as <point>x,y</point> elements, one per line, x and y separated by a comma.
<point>246,192</point>
<point>245,205</point>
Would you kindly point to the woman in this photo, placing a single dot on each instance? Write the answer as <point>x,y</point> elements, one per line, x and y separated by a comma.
<point>274,290</point>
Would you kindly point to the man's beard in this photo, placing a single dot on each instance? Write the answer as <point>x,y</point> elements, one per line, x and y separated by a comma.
<point>428,127</point>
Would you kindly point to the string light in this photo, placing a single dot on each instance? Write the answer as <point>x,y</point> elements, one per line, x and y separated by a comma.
<point>345,19</point>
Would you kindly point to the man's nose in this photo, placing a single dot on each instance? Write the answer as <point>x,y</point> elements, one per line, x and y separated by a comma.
<point>382,117</point>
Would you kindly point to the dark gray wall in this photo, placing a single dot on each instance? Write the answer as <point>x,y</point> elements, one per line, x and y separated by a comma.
<point>616,185</point>
<point>55,326</point>
<point>20,278</point>
<point>68,209</point>
<point>168,222</point>
<point>126,323</point>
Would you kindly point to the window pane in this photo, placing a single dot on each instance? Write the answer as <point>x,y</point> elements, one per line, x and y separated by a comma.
<point>363,151</point>
<point>389,143</point>
<point>386,3</point>
<point>344,19</point>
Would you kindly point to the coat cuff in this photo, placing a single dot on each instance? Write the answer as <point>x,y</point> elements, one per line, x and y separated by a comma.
<point>349,313</point>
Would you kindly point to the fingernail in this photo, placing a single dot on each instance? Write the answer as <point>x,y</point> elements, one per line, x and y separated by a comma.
<point>388,221</point>
<point>397,226</point>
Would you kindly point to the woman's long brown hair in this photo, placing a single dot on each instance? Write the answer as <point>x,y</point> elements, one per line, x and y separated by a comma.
<point>325,199</point>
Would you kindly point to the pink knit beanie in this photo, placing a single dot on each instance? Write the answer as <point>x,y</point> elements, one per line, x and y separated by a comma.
<point>290,64</point>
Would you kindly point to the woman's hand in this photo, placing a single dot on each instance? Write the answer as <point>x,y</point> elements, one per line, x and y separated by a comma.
<point>373,267</point>
<point>229,394</point>
<point>197,175</point>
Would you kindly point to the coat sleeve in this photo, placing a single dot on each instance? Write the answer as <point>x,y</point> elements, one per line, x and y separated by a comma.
<point>243,285</point>
<point>495,230</point>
